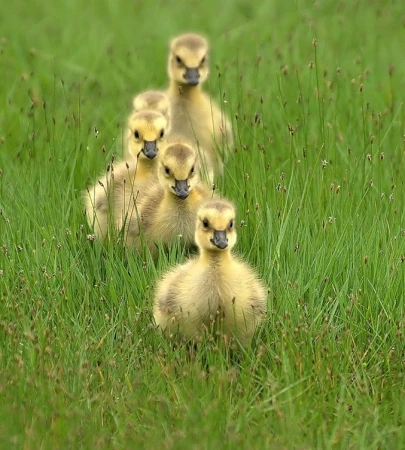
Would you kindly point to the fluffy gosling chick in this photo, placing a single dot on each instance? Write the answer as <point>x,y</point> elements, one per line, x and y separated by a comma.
<point>214,290</point>
<point>169,208</point>
<point>194,115</point>
<point>112,200</point>
<point>153,100</point>
<point>145,131</point>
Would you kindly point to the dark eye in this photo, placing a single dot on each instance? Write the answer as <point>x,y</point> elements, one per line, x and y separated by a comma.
<point>167,170</point>
<point>178,59</point>
<point>162,133</point>
<point>231,224</point>
<point>206,223</point>
<point>202,61</point>
<point>136,134</point>
<point>192,170</point>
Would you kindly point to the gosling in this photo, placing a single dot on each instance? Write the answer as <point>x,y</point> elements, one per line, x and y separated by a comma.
<point>111,202</point>
<point>169,210</point>
<point>194,115</point>
<point>152,100</point>
<point>214,291</point>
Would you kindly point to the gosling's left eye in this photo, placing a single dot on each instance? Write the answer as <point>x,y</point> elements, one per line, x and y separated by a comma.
<point>192,170</point>
<point>231,224</point>
<point>202,61</point>
<point>162,133</point>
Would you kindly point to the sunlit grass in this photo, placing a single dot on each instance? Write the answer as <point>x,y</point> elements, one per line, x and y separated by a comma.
<point>315,93</point>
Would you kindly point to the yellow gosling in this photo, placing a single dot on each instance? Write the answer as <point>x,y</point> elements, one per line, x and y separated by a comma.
<point>194,115</point>
<point>214,291</point>
<point>168,211</point>
<point>111,202</point>
<point>152,100</point>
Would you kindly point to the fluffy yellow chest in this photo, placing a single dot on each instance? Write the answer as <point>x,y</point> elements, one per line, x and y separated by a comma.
<point>174,218</point>
<point>216,281</point>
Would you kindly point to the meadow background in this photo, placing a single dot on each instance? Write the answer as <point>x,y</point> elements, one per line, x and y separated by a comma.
<point>316,95</point>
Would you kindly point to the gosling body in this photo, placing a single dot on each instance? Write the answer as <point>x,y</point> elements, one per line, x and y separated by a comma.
<point>214,291</point>
<point>168,211</point>
<point>111,202</point>
<point>194,115</point>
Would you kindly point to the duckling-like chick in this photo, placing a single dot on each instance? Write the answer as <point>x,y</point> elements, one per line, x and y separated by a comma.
<point>152,100</point>
<point>215,290</point>
<point>169,208</point>
<point>146,130</point>
<point>114,196</point>
<point>194,115</point>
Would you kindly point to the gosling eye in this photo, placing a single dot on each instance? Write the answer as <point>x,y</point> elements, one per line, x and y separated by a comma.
<point>162,133</point>
<point>136,134</point>
<point>192,170</point>
<point>178,59</point>
<point>202,61</point>
<point>167,170</point>
<point>231,224</point>
<point>206,223</point>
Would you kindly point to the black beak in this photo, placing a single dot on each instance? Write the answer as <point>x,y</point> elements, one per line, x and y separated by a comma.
<point>181,189</point>
<point>192,76</point>
<point>219,239</point>
<point>149,149</point>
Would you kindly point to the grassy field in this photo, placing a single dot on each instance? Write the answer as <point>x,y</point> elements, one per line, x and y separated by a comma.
<point>316,94</point>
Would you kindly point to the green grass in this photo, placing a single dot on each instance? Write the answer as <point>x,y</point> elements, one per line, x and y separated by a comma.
<point>319,132</point>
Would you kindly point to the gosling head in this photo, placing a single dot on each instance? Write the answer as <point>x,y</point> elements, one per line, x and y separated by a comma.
<point>146,130</point>
<point>178,169</point>
<point>188,60</point>
<point>152,100</point>
<point>215,230</point>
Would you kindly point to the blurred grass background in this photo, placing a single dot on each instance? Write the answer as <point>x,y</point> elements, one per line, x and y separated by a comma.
<point>315,91</point>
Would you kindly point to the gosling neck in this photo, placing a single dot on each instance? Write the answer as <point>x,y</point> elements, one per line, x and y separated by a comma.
<point>184,90</point>
<point>145,166</point>
<point>215,258</point>
<point>171,199</point>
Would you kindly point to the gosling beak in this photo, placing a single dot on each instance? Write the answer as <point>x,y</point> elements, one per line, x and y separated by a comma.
<point>219,239</point>
<point>181,189</point>
<point>149,149</point>
<point>192,76</point>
